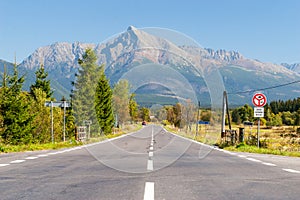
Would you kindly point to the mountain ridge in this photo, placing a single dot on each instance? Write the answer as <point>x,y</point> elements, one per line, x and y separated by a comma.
<point>134,46</point>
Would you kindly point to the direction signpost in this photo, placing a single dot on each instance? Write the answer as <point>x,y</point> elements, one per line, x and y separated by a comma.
<point>259,100</point>
<point>62,104</point>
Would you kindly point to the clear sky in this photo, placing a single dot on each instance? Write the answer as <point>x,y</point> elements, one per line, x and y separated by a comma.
<point>267,30</point>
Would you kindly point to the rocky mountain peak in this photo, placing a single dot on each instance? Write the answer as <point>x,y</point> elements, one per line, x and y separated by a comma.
<point>224,55</point>
<point>55,54</point>
<point>294,67</point>
<point>131,28</point>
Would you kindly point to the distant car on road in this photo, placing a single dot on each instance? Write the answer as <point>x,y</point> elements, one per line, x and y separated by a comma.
<point>144,123</point>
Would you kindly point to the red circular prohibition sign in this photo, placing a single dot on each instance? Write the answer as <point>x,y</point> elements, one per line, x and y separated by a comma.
<point>259,100</point>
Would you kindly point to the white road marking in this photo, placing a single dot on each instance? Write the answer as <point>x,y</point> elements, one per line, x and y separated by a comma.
<point>150,165</point>
<point>269,164</point>
<point>149,191</point>
<point>31,158</point>
<point>151,149</point>
<point>3,165</point>
<point>150,154</point>
<point>291,170</point>
<point>17,161</point>
<point>253,159</point>
<point>52,153</point>
<point>230,153</point>
<point>242,156</point>
<point>42,155</point>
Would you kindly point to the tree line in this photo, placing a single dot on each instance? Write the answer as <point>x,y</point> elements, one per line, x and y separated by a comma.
<point>24,118</point>
<point>277,113</point>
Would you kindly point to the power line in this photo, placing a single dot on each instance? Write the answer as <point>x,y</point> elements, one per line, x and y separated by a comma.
<point>267,88</point>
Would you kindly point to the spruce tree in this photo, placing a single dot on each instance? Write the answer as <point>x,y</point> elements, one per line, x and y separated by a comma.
<point>83,94</point>
<point>16,127</point>
<point>103,105</point>
<point>41,82</point>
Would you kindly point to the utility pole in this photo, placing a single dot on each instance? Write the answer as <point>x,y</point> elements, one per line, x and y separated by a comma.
<point>198,115</point>
<point>223,112</point>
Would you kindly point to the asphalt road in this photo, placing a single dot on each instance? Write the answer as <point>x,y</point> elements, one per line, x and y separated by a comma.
<point>148,164</point>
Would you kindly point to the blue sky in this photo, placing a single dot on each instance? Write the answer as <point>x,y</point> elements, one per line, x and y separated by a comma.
<point>267,30</point>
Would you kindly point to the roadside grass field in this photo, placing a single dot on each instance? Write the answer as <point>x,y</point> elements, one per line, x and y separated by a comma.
<point>281,140</point>
<point>6,148</point>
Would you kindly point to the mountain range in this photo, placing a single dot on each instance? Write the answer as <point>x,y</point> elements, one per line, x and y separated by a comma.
<point>136,47</point>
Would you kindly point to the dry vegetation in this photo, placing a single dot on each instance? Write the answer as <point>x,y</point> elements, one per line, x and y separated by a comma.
<point>282,140</point>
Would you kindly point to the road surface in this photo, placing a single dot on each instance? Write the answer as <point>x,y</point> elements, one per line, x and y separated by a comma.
<point>148,164</point>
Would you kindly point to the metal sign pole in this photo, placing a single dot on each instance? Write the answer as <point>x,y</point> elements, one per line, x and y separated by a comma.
<point>259,100</point>
<point>258,126</point>
<point>61,104</point>
<point>52,134</point>
<point>64,121</point>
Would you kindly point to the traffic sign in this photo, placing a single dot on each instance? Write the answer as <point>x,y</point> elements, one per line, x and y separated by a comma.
<point>259,100</point>
<point>204,122</point>
<point>62,104</point>
<point>258,112</point>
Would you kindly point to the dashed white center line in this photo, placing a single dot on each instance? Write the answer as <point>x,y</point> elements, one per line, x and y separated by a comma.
<point>31,158</point>
<point>268,164</point>
<point>3,165</point>
<point>253,159</point>
<point>149,191</point>
<point>150,165</point>
<point>150,154</point>
<point>151,148</point>
<point>242,156</point>
<point>17,161</point>
<point>291,170</point>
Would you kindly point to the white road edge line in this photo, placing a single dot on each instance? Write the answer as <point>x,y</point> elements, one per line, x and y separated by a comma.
<point>52,153</point>
<point>149,191</point>
<point>42,155</point>
<point>291,170</point>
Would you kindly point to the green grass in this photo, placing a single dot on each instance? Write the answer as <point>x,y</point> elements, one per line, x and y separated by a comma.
<point>68,144</point>
<point>254,149</point>
<point>34,147</point>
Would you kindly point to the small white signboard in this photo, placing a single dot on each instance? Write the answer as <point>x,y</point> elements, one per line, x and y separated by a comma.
<point>258,111</point>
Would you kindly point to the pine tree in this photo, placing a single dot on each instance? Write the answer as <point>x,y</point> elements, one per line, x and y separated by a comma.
<point>103,105</point>
<point>41,82</point>
<point>83,95</point>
